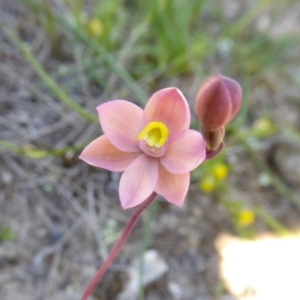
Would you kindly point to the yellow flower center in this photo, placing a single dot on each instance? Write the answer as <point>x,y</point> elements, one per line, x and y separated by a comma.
<point>154,134</point>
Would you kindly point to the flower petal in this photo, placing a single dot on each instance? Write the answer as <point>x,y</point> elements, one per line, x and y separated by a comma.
<point>173,187</point>
<point>169,107</point>
<point>138,181</point>
<point>185,152</point>
<point>101,153</point>
<point>122,122</point>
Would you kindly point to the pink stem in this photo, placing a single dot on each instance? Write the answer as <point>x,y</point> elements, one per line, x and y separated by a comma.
<point>118,245</point>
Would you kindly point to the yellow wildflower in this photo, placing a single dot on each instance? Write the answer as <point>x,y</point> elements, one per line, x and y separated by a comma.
<point>245,217</point>
<point>262,127</point>
<point>220,171</point>
<point>95,27</point>
<point>207,184</point>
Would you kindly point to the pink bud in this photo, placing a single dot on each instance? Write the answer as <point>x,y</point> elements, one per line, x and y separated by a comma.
<point>217,102</point>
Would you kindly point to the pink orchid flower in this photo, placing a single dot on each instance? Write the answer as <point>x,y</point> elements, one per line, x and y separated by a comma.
<point>154,148</point>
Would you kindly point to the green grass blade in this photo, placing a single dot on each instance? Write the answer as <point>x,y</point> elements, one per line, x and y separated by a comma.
<point>96,48</point>
<point>50,83</point>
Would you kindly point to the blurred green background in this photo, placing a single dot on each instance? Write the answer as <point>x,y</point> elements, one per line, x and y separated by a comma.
<point>60,59</point>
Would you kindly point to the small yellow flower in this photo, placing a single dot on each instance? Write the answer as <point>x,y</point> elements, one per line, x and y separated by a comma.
<point>207,184</point>
<point>245,217</point>
<point>263,127</point>
<point>220,171</point>
<point>95,27</point>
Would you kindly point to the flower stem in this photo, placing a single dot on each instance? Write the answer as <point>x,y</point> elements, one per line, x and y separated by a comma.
<point>117,247</point>
<point>144,245</point>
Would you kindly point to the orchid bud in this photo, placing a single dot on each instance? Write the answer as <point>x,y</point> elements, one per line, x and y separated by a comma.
<point>217,102</point>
